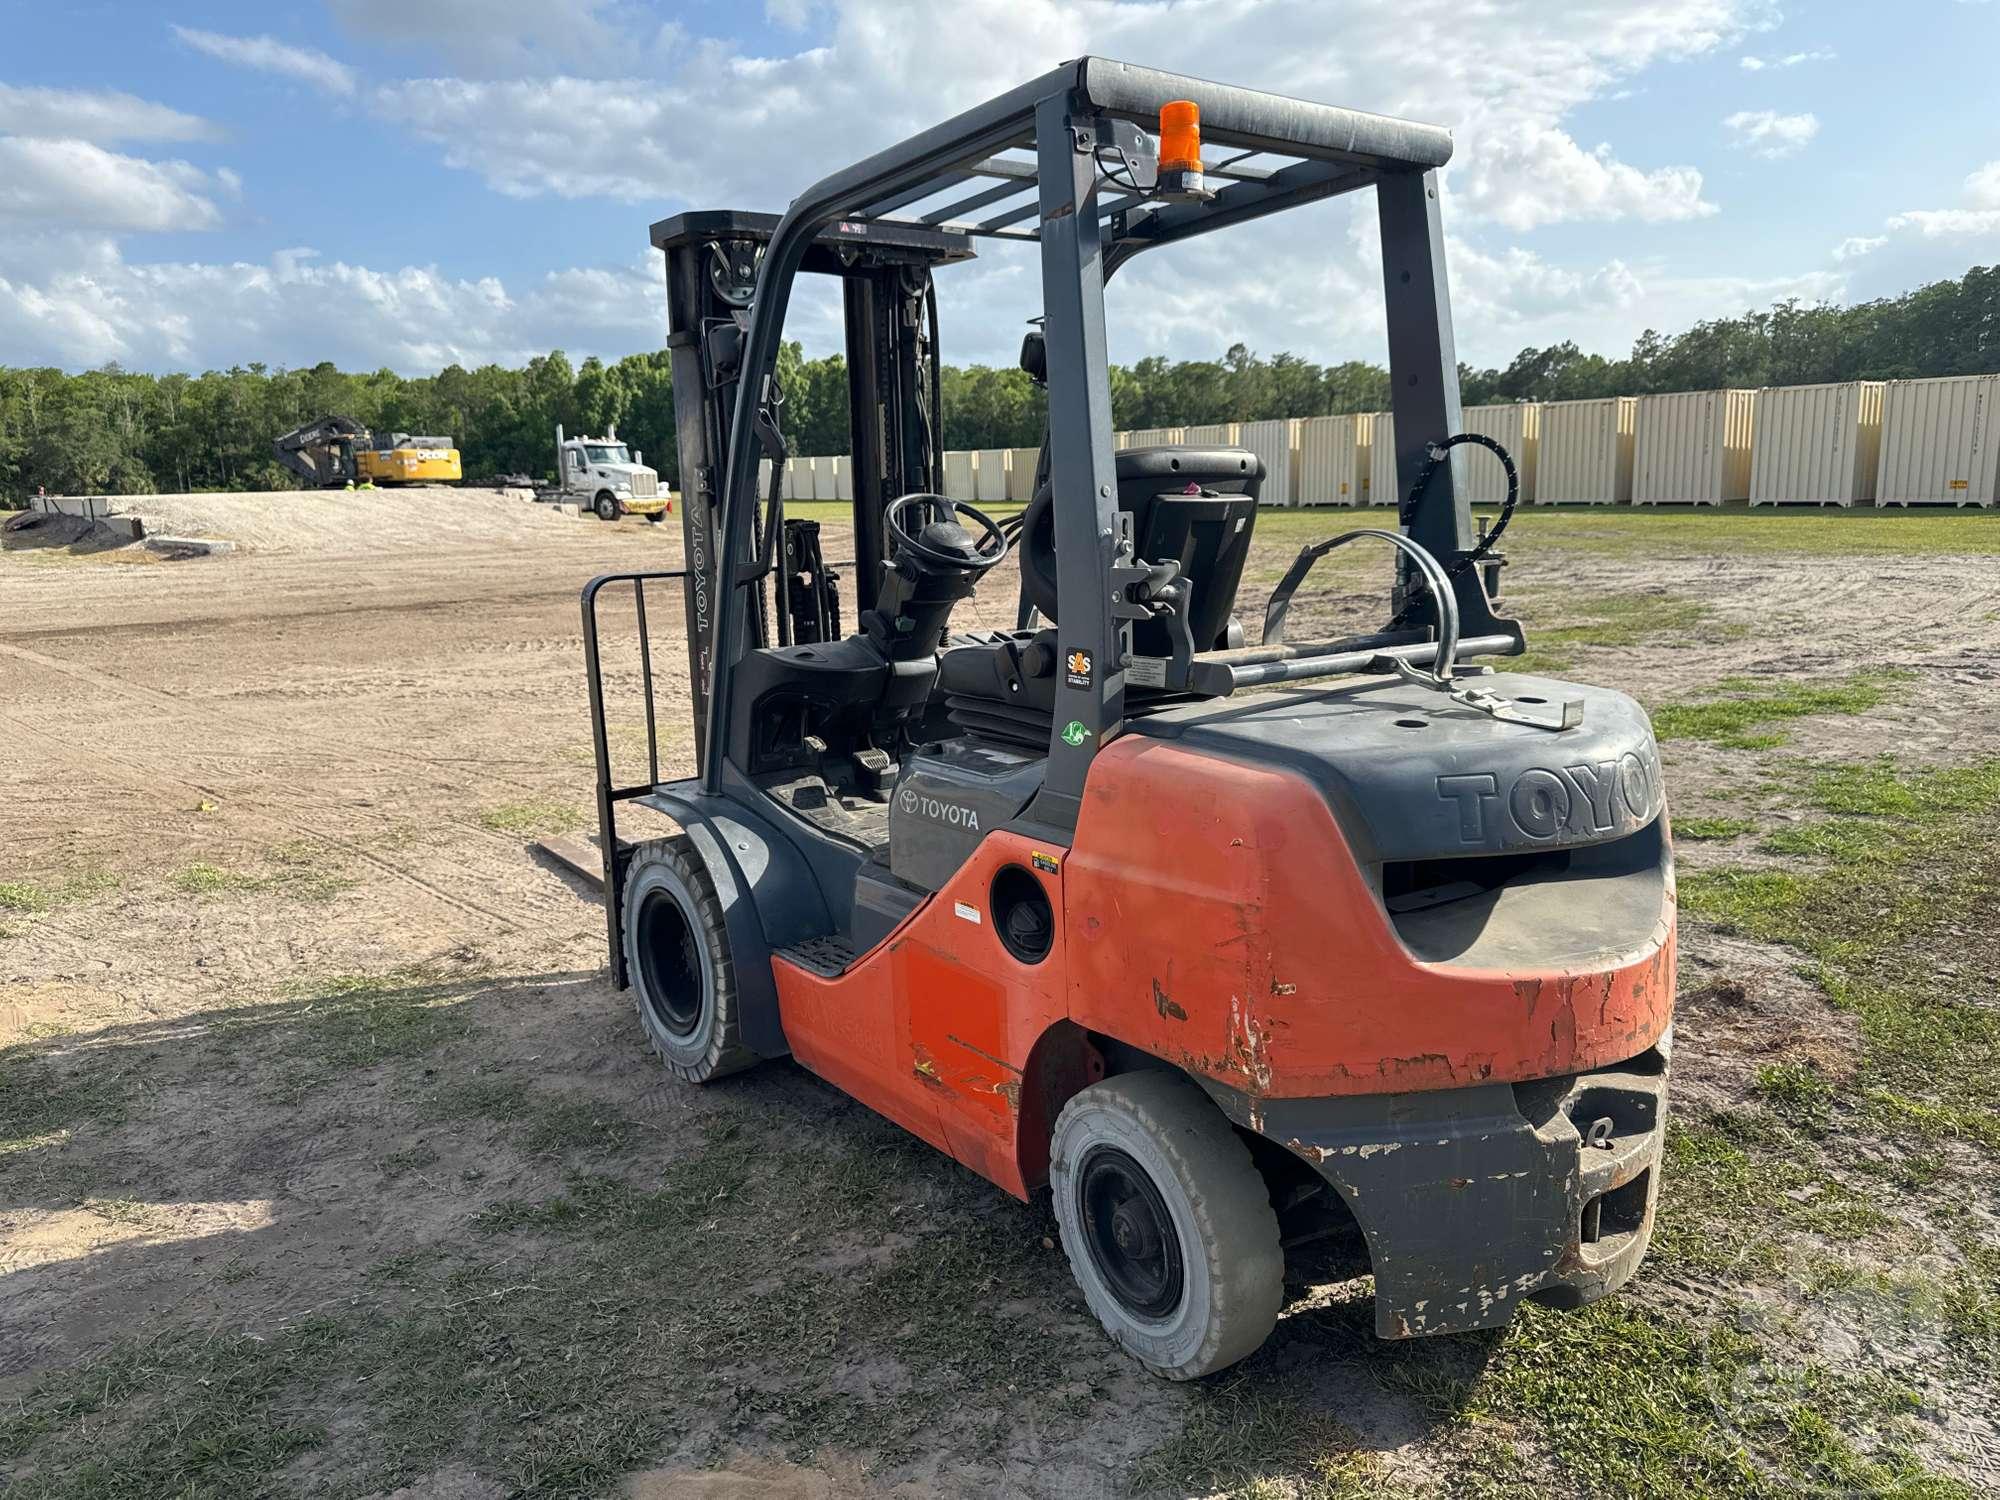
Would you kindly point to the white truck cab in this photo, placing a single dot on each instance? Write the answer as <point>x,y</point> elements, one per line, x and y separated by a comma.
<point>603,475</point>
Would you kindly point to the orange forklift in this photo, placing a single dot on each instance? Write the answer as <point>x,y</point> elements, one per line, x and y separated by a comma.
<point>1227,945</point>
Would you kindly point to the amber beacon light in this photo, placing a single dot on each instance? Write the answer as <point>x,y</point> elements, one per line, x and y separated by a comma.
<point>1180,136</point>
<point>1180,150</point>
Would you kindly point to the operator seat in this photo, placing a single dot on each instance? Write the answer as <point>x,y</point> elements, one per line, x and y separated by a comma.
<point>1196,505</point>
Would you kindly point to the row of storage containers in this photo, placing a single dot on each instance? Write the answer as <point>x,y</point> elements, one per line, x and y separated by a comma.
<point>1933,441</point>
<point>1901,442</point>
<point>984,474</point>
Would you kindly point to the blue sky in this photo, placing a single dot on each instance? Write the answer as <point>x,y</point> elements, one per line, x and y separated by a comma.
<point>410,182</point>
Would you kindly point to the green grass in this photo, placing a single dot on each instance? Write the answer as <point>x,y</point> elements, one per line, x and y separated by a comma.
<point>204,879</point>
<point>362,1020</point>
<point>300,870</point>
<point>1625,531</point>
<point>1609,621</point>
<point>1799,1092</point>
<point>1647,532</point>
<point>1743,719</point>
<point>593,1327</point>
<point>540,819</point>
<point>1729,1182</point>
<point>30,898</point>
<point>1711,830</point>
<point>1671,1407</point>
<point>549,1124</point>
<point>40,1100</point>
<point>1242,1440</point>
<point>307,871</point>
<point>19,895</point>
<point>1880,884</point>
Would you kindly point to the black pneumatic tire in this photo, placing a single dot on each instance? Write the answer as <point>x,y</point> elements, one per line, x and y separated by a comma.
<point>606,507</point>
<point>677,955</point>
<point>1231,1268</point>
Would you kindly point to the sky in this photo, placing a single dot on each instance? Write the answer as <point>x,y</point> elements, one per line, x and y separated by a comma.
<point>412,183</point>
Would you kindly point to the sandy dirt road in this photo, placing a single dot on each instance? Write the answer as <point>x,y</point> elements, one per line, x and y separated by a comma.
<point>310,1029</point>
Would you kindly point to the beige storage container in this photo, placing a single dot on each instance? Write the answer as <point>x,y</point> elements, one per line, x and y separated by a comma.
<point>1381,482</point>
<point>1154,437</point>
<point>843,477</point>
<point>825,485</point>
<point>798,479</point>
<point>1332,464</point>
<point>763,477</point>
<point>1212,435</point>
<point>1585,455</point>
<point>989,474</point>
<point>1515,426</point>
<point>1693,447</point>
<point>1275,441</point>
<point>960,479</point>
<point>1816,444</point>
<point>1021,463</point>
<point>1940,442</point>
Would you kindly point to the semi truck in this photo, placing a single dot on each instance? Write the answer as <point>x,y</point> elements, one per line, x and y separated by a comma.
<point>603,475</point>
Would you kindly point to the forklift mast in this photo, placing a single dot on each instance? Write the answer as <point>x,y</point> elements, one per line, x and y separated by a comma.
<point>896,421</point>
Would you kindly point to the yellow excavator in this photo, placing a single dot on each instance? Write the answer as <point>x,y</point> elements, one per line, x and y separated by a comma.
<point>340,451</point>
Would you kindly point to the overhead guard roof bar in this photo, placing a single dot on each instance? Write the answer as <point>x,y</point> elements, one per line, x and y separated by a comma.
<point>1248,121</point>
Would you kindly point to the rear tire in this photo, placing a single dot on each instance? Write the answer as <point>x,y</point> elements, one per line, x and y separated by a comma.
<point>1167,1224</point>
<point>606,507</point>
<point>677,955</point>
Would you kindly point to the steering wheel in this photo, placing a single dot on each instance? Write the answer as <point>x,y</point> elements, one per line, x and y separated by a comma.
<point>942,542</point>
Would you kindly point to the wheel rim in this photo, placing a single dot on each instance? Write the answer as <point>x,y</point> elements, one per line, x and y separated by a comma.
<point>669,963</point>
<point>1129,1233</point>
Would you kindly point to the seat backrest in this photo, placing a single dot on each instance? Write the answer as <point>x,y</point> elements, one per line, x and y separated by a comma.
<point>1195,505</point>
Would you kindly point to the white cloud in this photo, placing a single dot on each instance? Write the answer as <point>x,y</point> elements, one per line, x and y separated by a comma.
<point>571,137</point>
<point>77,185</point>
<point>266,54</point>
<point>1788,60</point>
<point>721,123</point>
<point>498,38</point>
<point>688,121</point>
<point>99,115</point>
<point>1771,134</point>
<point>89,305</point>
<point>1977,218</point>
<point>1946,223</point>
<point>1982,187</point>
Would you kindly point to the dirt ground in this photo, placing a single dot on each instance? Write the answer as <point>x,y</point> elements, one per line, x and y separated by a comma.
<point>331,1164</point>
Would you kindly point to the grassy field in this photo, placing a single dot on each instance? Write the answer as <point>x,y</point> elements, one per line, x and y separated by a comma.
<point>330,1165</point>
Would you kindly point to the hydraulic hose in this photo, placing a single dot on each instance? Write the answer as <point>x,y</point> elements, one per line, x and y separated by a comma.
<point>1439,452</point>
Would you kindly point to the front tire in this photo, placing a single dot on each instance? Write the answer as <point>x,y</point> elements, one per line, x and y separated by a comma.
<point>1167,1225</point>
<point>677,954</point>
<point>606,507</point>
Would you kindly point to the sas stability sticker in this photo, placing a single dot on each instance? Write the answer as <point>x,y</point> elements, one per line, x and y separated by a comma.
<point>1076,666</point>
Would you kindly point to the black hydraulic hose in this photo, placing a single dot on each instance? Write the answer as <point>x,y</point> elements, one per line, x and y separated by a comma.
<point>1439,452</point>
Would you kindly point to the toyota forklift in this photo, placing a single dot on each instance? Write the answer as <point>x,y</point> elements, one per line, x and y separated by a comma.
<point>1229,945</point>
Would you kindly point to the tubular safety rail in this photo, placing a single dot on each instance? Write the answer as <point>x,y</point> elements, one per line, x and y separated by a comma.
<point>613,851</point>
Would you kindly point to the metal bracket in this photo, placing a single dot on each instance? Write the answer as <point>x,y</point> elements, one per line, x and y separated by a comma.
<point>1155,591</point>
<point>1569,712</point>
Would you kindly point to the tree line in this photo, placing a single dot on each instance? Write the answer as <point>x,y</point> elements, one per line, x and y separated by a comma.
<point>111,431</point>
